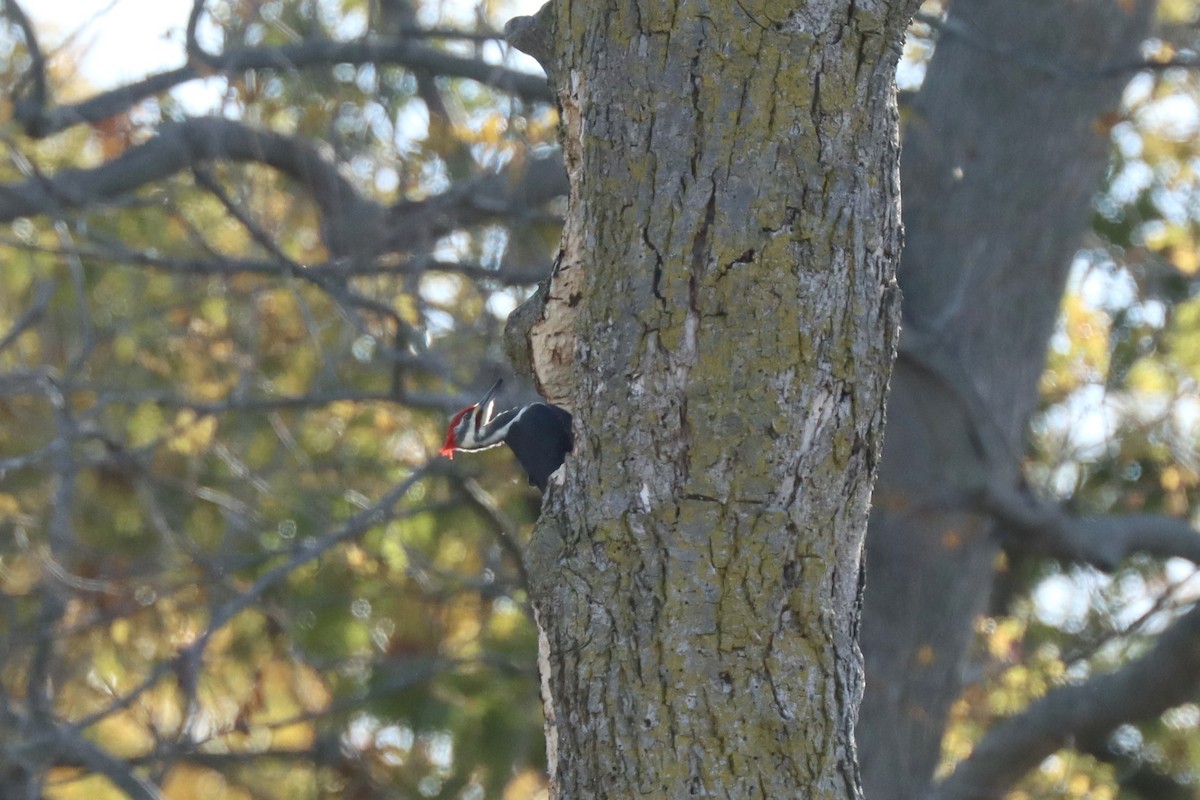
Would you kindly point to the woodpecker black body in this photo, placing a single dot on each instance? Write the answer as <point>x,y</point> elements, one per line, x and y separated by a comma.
<point>539,434</point>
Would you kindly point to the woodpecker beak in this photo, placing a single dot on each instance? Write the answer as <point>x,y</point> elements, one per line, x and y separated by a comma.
<point>483,410</point>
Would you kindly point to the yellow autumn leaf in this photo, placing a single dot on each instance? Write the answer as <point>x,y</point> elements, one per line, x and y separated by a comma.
<point>19,574</point>
<point>299,736</point>
<point>119,631</point>
<point>527,785</point>
<point>186,782</point>
<point>215,311</point>
<point>125,348</point>
<point>61,785</point>
<point>145,424</point>
<point>311,691</point>
<point>1185,259</point>
<point>194,433</point>
<point>1148,377</point>
<point>505,621</point>
<point>1006,634</point>
<point>1079,785</point>
<point>124,735</point>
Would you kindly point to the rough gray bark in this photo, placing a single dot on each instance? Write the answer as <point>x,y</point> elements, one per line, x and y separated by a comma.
<point>724,308</point>
<point>1005,149</point>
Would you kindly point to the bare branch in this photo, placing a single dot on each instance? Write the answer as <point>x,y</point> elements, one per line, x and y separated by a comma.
<point>1102,542</point>
<point>321,52</point>
<point>49,121</point>
<point>338,268</point>
<point>35,103</point>
<point>350,222</point>
<point>416,400</point>
<point>329,283</point>
<point>1142,65</point>
<point>1138,776</point>
<point>425,401</point>
<point>505,529</point>
<point>180,145</point>
<point>1055,68</point>
<point>206,180</point>
<point>517,190</point>
<point>40,121</point>
<point>1033,524</point>
<point>1167,676</point>
<point>309,550</point>
<point>74,746</point>
<point>30,316</point>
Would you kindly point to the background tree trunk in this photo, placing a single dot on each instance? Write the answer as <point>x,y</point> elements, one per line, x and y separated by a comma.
<point>731,239</point>
<point>1006,146</point>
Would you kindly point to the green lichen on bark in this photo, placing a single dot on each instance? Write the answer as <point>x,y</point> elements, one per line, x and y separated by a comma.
<point>733,219</point>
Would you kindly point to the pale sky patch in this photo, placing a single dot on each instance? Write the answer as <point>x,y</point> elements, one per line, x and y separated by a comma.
<point>114,41</point>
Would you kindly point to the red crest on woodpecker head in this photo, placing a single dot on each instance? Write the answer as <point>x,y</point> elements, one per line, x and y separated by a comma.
<point>451,438</point>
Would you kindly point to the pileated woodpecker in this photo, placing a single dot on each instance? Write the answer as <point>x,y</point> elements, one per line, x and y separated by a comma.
<point>539,434</point>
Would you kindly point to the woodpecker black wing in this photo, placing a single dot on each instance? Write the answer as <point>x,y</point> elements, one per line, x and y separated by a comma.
<point>541,438</point>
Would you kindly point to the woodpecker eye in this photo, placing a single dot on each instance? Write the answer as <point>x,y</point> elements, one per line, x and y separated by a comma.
<point>452,433</point>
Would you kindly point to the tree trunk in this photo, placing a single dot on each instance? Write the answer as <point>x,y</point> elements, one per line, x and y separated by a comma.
<point>1006,146</point>
<point>721,320</point>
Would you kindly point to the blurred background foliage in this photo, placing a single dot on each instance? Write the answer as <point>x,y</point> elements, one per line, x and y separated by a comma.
<point>1118,432</point>
<point>183,441</point>
<point>231,565</point>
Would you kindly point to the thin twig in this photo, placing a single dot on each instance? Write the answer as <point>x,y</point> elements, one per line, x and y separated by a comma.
<point>305,552</point>
<point>30,316</point>
<point>38,95</point>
